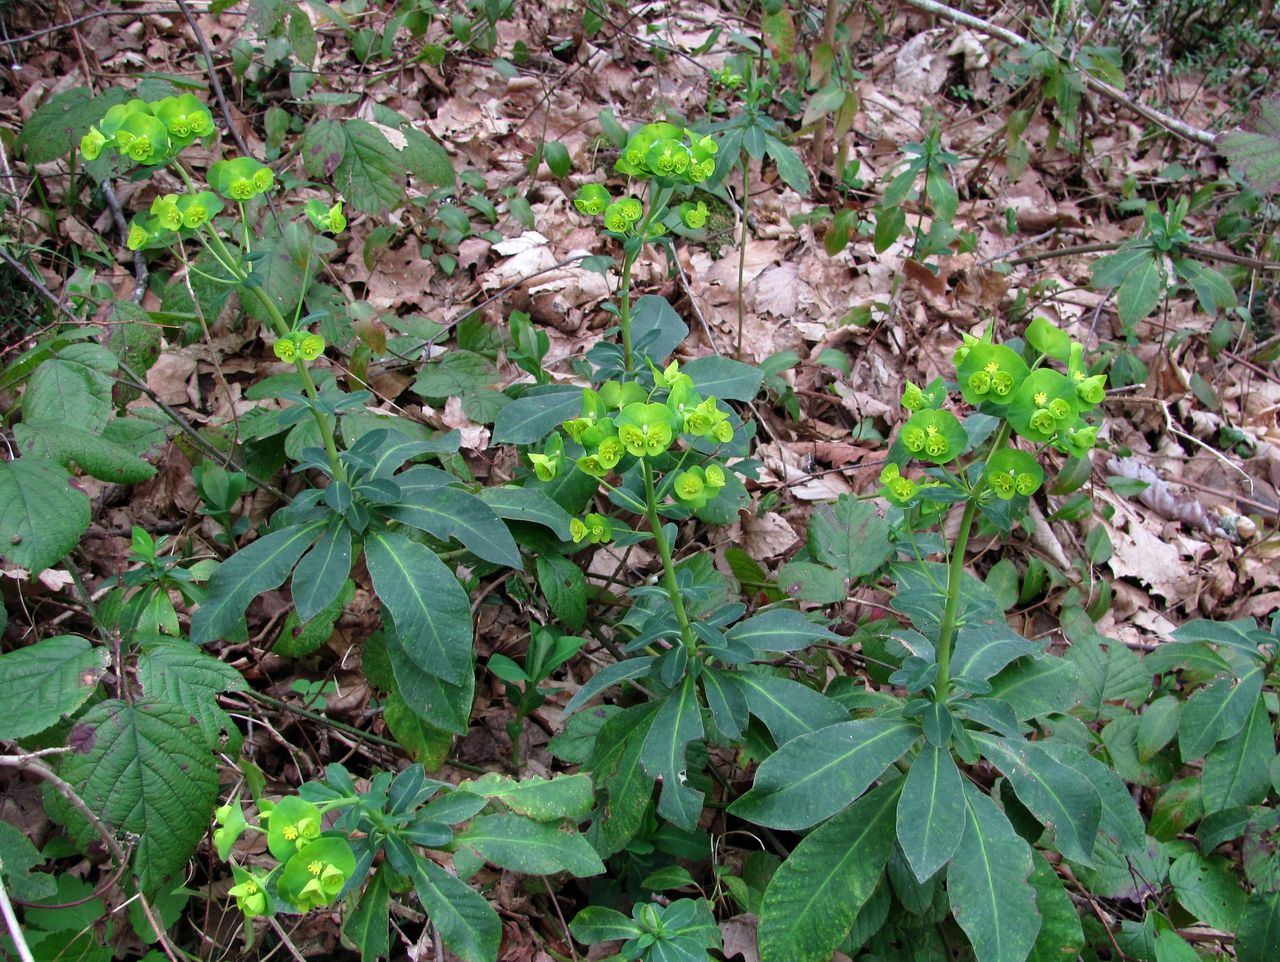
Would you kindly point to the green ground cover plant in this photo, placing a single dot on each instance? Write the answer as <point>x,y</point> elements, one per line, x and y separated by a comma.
<point>473,639</point>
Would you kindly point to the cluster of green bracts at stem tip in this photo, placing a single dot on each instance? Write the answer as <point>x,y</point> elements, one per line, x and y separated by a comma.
<point>621,420</point>
<point>1040,404</point>
<point>313,865</point>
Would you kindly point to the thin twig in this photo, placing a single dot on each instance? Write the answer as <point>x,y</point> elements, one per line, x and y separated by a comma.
<point>139,261</point>
<point>284,937</point>
<point>11,921</point>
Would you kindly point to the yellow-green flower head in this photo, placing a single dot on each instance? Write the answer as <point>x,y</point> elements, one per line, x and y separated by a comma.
<point>1043,403</point>
<point>577,530</point>
<point>1002,484</point>
<point>249,892</point>
<point>315,875</point>
<point>545,467</point>
<point>990,372</point>
<point>599,528</point>
<point>714,475</point>
<point>165,212</point>
<point>240,178</point>
<point>330,219</point>
<point>668,158</point>
<point>139,235</point>
<point>631,207</point>
<point>116,115</point>
<point>609,452</point>
<point>897,489</point>
<point>913,398</point>
<point>616,219</point>
<point>185,117</point>
<point>689,485</point>
<point>91,144</point>
<point>934,435</point>
<point>298,345</point>
<point>694,216</point>
<point>646,429</point>
<point>1010,472</point>
<point>294,822</point>
<point>1078,439</point>
<point>592,199</point>
<point>636,151</point>
<point>144,139</point>
<point>199,209</point>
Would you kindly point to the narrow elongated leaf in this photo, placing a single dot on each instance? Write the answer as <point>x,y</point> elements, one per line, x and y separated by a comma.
<point>1258,935</point>
<point>678,722</point>
<point>987,883</point>
<point>931,807</point>
<point>145,770</point>
<point>1217,711</point>
<point>562,796</point>
<point>322,571</point>
<point>815,895</point>
<point>1141,290</point>
<point>367,926</point>
<point>1061,937</point>
<point>780,629</point>
<point>529,505</point>
<point>530,418</point>
<point>724,378</point>
<point>431,698</point>
<point>42,515</point>
<point>598,923</point>
<point>1237,770</point>
<point>606,677</point>
<point>790,167</point>
<point>249,572</point>
<point>726,702</point>
<point>816,775</point>
<point>418,481</point>
<point>985,647</point>
<point>788,708</point>
<point>532,848</point>
<point>43,682</point>
<point>468,924</point>
<point>431,611</point>
<point>453,513</point>
<point>1061,798</point>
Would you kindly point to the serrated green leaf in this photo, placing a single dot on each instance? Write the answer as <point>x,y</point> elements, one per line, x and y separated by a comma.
<point>178,673</point>
<point>1062,799</point>
<point>97,456</point>
<point>447,512</point>
<point>1254,152</point>
<point>1108,671</point>
<point>723,378</point>
<point>1141,290</point>
<point>42,513</point>
<point>532,848</point>
<point>1208,889</point>
<point>358,159</point>
<point>565,587</point>
<point>17,856</point>
<point>850,536</point>
<point>249,572</point>
<point>322,572</point>
<point>815,895</point>
<point>426,159</point>
<point>790,167</point>
<point>57,125</point>
<point>677,722</point>
<point>931,807</point>
<point>431,611</point>
<point>615,766</point>
<point>73,388</point>
<point>44,682</point>
<point>816,775</point>
<point>144,770</point>
<point>987,883</point>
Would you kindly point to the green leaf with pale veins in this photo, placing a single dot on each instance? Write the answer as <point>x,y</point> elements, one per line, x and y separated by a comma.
<point>816,775</point>
<point>528,505</point>
<point>355,155</point>
<point>1237,770</point>
<point>447,512</point>
<point>815,895</point>
<point>543,799</point>
<point>1253,150</point>
<point>1061,938</point>
<point>73,388</point>
<point>42,514</point>
<point>931,807</point>
<point>96,456</point>
<point>1061,798</point>
<point>366,926</point>
<point>1217,711</point>
<point>678,722</point>
<point>787,708</point>
<point>42,683</point>
<point>987,883</point>
<point>429,606</point>
<point>179,673</point>
<point>322,571</point>
<point>468,924</point>
<point>779,629</point>
<point>249,572</point>
<point>522,845</point>
<point>144,769</point>
<point>850,536</point>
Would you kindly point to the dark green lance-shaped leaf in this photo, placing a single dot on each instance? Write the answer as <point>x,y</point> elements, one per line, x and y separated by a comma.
<point>1253,150</point>
<point>678,722</point>
<point>431,611</point>
<point>531,848</point>
<point>656,328</point>
<point>1258,934</point>
<point>850,536</point>
<point>597,923</point>
<point>987,883</point>
<point>322,571</point>
<point>366,926</point>
<point>787,708</point>
<point>421,480</point>
<point>606,677</point>
<point>565,587</point>
<point>42,514</point>
<point>790,167</point>
<point>723,378</point>
<point>543,799</point>
<point>453,513</point>
<point>530,418</point>
<point>1242,634</point>
<point>615,766</point>
<point>1033,687</point>
<point>467,923</point>
<point>1060,938</point>
<point>1213,291</point>
<point>1141,290</point>
<point>249,572</point>
<point>779,629</point>
<point>356,157</point>
<point>816,775</point>
<point>394,450</point>
<point>176,672</point>
<point>1217,711</point>
<point>430,697</point>
<point>726,702</point>
<point>529,505</point>
<point>43,682</point>
<point>985,647</point>
<point>1061,798</point>
<point>815,895</point>
<point>931,808</point>
<point>1237,770</point>
<point>144,769</point>
<point>97,456</point>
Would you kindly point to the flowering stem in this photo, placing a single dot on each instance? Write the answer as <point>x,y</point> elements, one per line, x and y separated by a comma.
<point>955,574</point>
<point>668,565</point>
<point>624,310</point>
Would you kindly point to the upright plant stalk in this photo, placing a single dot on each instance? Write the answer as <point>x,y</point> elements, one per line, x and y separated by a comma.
<point>668,565</point>
<point>624,310</point>
<point>955,573</point>
<point>742,252</point>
